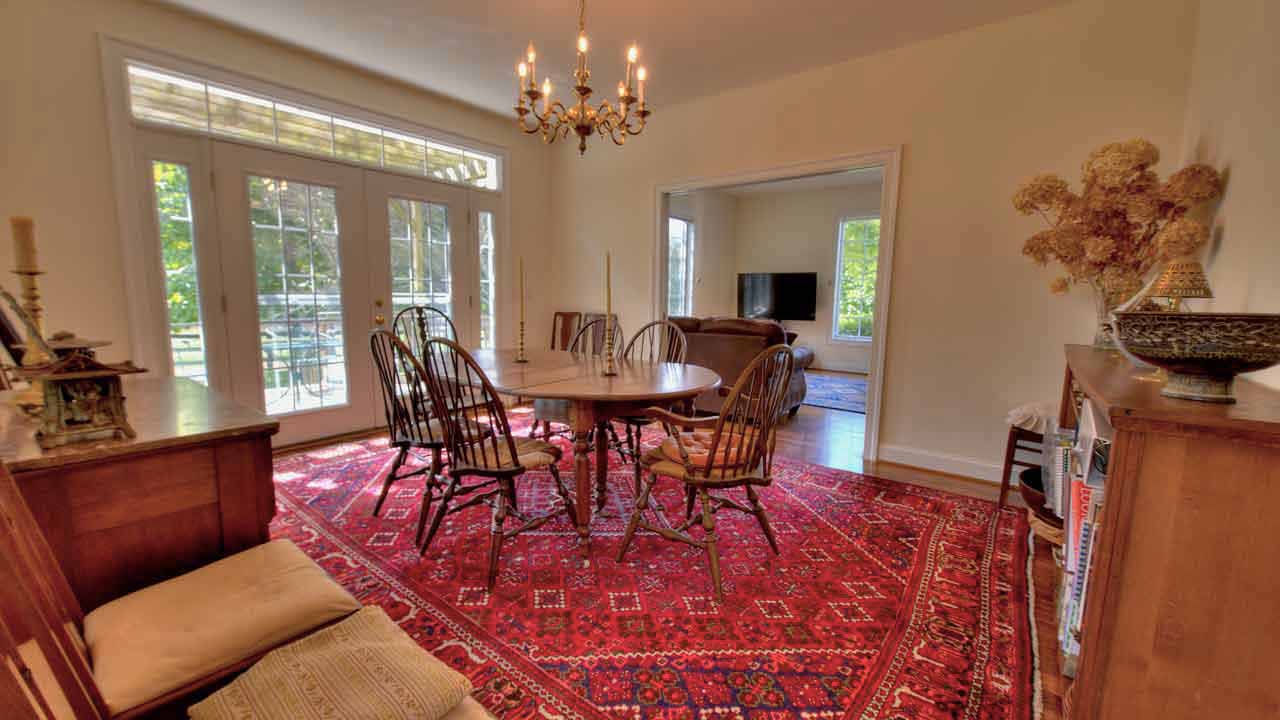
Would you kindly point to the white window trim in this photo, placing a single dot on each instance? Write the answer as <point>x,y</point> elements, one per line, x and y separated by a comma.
<point>133,206</point>
<point>691,239</point>
<point>835,336</point>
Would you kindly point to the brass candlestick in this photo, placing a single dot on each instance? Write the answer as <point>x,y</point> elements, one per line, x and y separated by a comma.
<point>520,356</point>
<point>610,369</point>
<point>33,350</point>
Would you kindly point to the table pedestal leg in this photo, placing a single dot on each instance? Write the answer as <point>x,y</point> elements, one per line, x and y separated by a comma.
<point>582,477</point>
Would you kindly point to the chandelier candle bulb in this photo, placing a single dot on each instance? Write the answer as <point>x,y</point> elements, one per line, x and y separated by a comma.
<point>642,75</point>
<point>531,56</point>
<point>546,95</point>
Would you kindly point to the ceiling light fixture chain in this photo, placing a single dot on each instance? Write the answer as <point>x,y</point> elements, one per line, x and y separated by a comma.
<point>555,121</point>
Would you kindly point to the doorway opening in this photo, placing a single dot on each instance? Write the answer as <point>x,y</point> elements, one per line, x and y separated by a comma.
<point>811,249</point>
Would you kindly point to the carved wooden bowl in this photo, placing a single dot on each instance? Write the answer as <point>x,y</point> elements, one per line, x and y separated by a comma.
<point>1203,352</point>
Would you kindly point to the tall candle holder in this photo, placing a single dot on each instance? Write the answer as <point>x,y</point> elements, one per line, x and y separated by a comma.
<point>520,355</point>
<point>33,349</point>
<point>610,368</point>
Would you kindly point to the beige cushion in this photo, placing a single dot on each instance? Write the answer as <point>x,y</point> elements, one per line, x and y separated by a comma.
<point>530,454</point>
<point>362,667</point>
<point>165,636</point>
<point>657,461</point>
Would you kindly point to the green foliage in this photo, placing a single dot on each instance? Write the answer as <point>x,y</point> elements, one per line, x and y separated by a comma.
<point>856,292</point>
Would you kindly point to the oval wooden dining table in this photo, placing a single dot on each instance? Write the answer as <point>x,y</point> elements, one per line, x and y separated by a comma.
<point>593,398</point>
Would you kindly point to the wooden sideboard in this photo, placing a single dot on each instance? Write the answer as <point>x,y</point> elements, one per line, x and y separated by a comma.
<point>193,486</point>
<point>1182,617</point>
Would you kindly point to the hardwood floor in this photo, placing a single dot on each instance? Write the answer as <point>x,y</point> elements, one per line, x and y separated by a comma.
<point>834,438</point>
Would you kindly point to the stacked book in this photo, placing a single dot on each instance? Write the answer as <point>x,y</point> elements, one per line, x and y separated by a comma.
<point>1081,470</point>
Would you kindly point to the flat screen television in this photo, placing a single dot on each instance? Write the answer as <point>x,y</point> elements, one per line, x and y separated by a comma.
<point>780,296</point>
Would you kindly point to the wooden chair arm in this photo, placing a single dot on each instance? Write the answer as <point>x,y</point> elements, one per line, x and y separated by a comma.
<point>666,417</point>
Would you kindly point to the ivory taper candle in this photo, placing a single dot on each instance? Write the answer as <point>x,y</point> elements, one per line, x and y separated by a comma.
<point>521,288</point>
<point>608,292</point>
<point>24,244</point>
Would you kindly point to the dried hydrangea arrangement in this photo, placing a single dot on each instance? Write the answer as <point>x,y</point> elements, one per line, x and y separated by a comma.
<point>1123,223</point>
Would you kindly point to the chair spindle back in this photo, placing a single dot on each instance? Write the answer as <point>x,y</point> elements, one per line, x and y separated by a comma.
<point>744,435</point>
<point>590,338</point>
<point>659,341</point>
<point>406,402</point>
<point>464,399</point>
<point>417,324</point>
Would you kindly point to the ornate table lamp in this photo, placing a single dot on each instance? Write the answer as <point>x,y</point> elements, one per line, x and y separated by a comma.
<point>1183,280</point>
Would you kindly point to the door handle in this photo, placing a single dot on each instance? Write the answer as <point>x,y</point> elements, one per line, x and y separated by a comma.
<point>379,319</point>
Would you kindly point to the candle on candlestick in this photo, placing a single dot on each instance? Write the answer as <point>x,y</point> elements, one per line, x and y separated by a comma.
<point>24,244</point>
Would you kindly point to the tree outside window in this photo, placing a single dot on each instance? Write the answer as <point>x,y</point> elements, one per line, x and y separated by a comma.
<point>857,257</point>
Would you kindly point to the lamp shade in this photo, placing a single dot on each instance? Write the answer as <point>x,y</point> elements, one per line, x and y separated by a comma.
<point>1185,279</point>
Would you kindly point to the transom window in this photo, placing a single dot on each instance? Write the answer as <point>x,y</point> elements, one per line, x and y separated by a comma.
<point>857,257</point>
<point>168,98</point>
<point>679,267</point>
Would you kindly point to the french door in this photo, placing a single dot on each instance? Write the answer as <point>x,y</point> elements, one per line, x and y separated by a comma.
<point>270,269</point>
<point>296,278</point>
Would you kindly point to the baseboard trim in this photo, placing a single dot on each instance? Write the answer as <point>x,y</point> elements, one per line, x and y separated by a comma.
<point>941,462</point>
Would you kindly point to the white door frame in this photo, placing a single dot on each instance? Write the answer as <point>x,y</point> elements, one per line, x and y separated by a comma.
<point>890,160</point>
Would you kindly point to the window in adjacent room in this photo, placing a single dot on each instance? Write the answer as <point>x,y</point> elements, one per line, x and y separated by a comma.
<point>858,253</point>
<point>679,267</point>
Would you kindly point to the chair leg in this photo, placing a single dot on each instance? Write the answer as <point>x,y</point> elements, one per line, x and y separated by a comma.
<point>602,459</point>
<point>616,443</point>
<point>440,513</point>
<point>633,446</point>
<point>495,529</point>
<point>428,489</point>
<point>690,495</point>
<point>391,477</point>
<point>713,554</point>
<point>757,509</point>
<point>1011,447</point>
<point>642,503</point>
<point>569,508</point>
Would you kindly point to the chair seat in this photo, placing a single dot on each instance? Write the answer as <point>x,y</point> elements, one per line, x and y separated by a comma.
<point>364,667</point>
<point>163,637</point>
<point>657,461</point>
<point>432,430</point>
<point>530,454</point>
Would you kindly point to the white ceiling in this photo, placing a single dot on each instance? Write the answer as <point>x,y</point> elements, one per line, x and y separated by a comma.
<point>467,49</point>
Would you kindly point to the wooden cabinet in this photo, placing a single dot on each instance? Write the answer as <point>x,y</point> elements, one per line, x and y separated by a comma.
<point>193,486</point>
<point>1182,618</point>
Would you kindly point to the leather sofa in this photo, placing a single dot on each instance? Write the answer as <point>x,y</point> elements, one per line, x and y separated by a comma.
<point>728,344</point>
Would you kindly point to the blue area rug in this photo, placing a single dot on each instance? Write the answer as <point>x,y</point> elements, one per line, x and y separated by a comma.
<point>837,391</point>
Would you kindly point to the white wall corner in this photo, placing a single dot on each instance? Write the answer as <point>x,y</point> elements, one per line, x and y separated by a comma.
<point>941,462</point>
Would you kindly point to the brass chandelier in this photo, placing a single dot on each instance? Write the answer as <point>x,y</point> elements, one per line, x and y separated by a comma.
<point>556,121</point>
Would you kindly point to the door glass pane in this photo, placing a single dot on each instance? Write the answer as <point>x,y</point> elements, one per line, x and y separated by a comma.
<point>299,273</point>
<point>856,287</point>
<point>420,269</point>
<point>488,304</point>
<point>172,183</point>
<point>679,267</point>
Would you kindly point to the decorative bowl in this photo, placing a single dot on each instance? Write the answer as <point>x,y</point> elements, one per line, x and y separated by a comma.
<point>1203,352</point>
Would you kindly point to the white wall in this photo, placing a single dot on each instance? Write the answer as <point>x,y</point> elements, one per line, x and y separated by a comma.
<point>973,329</point>
<point>57,163</point>
<point>796,232</point>
<point>1232,118</point>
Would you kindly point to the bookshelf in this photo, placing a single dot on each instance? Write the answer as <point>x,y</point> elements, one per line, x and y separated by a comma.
<point>1181,609</point>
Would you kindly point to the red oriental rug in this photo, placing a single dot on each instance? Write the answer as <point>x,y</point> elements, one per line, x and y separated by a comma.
<point>887,601</point>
